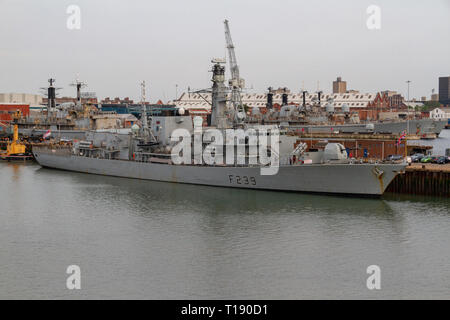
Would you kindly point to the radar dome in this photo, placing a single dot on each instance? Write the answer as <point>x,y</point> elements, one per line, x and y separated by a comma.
<point>135,128</point>
<point>181,111</point>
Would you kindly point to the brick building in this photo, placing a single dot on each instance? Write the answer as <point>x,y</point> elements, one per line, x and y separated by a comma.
<point>7,110</point>
<point>117,100</point>
<point>339,86</point>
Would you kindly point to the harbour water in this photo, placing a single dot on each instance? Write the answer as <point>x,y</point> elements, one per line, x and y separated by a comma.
<point>439,145</point>
<point>153,240</point>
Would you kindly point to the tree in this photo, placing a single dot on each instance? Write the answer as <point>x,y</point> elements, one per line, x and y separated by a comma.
<point>430,105</point>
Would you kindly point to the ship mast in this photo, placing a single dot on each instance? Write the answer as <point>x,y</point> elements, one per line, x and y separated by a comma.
<point>144,115</point>
<point>218,95</point>
<point>51,97</point>
<point>79,84</point>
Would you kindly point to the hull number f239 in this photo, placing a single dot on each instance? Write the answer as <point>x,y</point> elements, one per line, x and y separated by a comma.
<point>245,180</point>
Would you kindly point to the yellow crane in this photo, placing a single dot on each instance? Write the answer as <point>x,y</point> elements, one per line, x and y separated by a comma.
<point>15,150</point>
<point>15,147</point>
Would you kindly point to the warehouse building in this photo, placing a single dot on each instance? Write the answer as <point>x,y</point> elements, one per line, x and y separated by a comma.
<point>23,98</point>
<point>354,100</point>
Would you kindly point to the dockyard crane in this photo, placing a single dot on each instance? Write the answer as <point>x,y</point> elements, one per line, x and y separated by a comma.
<point>236,83</point>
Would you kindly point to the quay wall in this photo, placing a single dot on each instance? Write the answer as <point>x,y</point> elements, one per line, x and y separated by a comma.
<point>420,179</point>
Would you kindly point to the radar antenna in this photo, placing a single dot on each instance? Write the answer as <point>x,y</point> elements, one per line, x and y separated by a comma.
<point>144,107</point>
<point>78,84</point>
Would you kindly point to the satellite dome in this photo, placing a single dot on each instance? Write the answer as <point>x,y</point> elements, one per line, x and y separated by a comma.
<point>329,108</point>
<point>135,128</point>
<point>181,111</point>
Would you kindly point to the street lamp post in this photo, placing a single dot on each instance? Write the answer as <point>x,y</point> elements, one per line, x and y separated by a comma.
<point>407,120</point>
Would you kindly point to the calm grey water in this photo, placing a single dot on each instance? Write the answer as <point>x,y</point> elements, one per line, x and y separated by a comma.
<point>439,145</point>
<point>141,239</point>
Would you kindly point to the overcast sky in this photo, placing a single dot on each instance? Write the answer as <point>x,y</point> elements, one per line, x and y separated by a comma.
<point>278,43</point>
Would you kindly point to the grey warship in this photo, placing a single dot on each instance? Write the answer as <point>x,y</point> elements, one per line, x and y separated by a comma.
<point>145,153</point>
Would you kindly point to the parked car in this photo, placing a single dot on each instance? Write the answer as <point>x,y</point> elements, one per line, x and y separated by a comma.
<point>434,159</point>
<point>426,159</point>
<point>394,157</point>
<point>442,160</point>
<point>417,157</point>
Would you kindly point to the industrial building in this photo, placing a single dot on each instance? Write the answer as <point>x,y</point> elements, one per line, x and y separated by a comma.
<point>7,110</point>
<point>117,100</point>
<point>255,100</point>
<point>395,98</point>
<point>444,90</point>
<point>21,98</point>
<point>440,113</point>
<point>339,86</point>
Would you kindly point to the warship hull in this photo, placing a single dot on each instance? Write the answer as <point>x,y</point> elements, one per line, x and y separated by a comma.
<point>349,179</point>
<point>416,127</point>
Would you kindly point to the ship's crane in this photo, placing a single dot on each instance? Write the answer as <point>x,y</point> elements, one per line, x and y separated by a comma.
<point>236,83</point>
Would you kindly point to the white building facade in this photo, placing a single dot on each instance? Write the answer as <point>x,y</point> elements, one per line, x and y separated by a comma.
<point>254,100</point>
<point>24,98</point>
<point>440,113</point>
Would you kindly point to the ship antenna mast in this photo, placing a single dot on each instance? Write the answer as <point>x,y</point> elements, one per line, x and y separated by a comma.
<point>51,97</point>
<point>144,108</point>
<point>79,84</point>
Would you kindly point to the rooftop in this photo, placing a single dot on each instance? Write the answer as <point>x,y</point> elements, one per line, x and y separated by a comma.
<point>354,99</point>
